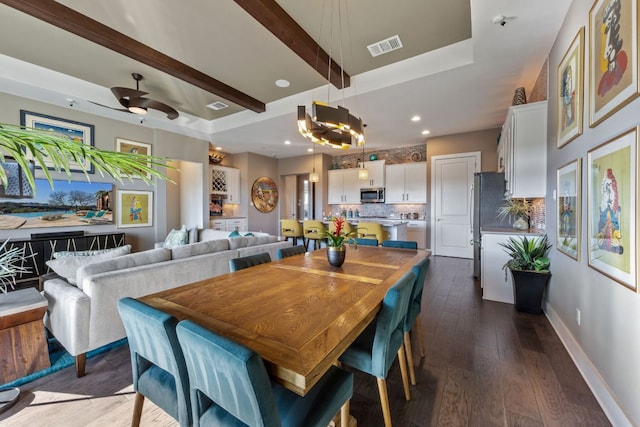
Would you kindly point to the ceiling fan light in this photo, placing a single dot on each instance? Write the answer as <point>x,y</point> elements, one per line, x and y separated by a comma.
<point>137,110</point>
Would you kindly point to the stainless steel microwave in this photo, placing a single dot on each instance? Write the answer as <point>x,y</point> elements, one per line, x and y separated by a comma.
<point>372,195</point>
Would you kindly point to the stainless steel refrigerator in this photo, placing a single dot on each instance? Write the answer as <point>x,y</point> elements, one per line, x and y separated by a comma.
<point>488,196</point>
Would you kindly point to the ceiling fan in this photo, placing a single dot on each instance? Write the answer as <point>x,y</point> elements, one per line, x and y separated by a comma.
<point>134,101</point>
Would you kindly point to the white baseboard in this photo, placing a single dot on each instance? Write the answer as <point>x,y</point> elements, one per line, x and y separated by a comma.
<point>598,386</point>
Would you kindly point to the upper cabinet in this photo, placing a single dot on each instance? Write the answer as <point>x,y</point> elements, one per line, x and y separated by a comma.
<point>406,183</point>
<point>225,181</point>
<point>523,150</point>
<point>344,187</point>
<point>376,174</point>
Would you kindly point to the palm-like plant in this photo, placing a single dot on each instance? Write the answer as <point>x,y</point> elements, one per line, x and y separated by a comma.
<point>337,239</point>
<point>528,254</point>
<point>11,264</point>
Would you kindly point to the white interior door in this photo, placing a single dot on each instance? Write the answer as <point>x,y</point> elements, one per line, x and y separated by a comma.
<point>290,200</point>
<point>451,203</point>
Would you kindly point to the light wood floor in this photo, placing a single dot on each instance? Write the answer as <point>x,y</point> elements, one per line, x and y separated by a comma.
<point>486,365</point>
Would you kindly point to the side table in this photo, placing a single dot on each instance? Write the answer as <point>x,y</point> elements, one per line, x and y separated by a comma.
<point>23,344</point>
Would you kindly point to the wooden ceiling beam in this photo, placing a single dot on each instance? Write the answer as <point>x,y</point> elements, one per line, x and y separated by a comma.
<point>281,24</point>
<point>81,25</point>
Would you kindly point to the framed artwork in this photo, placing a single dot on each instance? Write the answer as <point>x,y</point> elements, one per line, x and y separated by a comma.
<point>76,131</point>
<point>134,147</point>
<point>568,217</point>
<point>613,57</point>
<point>264,194</point>
<point>570,91</point>
<point>611,208</point>
<point>135,208</point>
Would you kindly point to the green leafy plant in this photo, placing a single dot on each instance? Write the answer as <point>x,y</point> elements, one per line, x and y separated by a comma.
<point>338,238</point>
<point>518,208</point>
<point>43,146</point>
<point>527,253</point>
<point>11,264</point>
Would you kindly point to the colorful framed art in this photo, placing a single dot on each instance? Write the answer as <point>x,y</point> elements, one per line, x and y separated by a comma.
<point>134,147</point>
<point>611,208</point>
<point>613,57</point>
<point>264,194</point>
<point>135,208</point>
<point>570,91</point>
<point>568,216</point>
<point>76,131</point>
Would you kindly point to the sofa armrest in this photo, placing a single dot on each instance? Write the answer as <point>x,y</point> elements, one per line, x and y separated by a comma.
<point>67,316</point>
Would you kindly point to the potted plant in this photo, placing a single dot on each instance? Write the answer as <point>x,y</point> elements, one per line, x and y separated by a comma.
<point>336,250</point>
<point>529,266</point>
<point>520,209</point>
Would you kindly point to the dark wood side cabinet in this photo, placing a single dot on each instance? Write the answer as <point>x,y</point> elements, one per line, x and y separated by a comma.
<point>44,247</point>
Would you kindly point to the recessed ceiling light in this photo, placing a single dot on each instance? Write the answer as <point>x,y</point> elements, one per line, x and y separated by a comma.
<point>287,142</point>
<point>415,118</point>
<point>309,150</point>
<point>282,83</point>
<point>218,148</point>
<point>426,132</point>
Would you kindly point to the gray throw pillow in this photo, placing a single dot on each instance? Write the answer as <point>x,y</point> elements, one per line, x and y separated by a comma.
<point>176,238</point>
<point>68,266</point>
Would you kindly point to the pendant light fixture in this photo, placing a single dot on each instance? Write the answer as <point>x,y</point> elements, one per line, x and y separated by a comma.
<point>327,125</point>
<point>363,172</point>
<point>313,176</point>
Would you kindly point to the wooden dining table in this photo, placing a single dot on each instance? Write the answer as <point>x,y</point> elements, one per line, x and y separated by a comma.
<point>298,313</point>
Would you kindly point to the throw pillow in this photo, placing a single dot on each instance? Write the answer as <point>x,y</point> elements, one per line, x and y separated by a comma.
<point>193,234</point>
<point>176,238</point>
<point>235,233</point>
<point>68,266</point>
<point>249,234</point>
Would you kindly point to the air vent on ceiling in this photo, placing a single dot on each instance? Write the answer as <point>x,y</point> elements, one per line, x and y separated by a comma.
<point>384,46</point>
<point>218,105</point>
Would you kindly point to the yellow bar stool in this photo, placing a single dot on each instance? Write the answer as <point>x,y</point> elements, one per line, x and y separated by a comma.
<point>372,230</point>
<point>313,230</point>
<point>291,228</point>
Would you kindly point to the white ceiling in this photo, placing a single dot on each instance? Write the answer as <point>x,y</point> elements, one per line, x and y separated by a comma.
<point>456,78</point>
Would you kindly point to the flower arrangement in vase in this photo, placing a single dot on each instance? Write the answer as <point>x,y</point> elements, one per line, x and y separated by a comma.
<point>336,239</point>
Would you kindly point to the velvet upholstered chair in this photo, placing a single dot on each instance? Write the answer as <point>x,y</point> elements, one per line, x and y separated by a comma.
<point>230,386</point>
<point>413,314</point>
<point>372,230</point>
<point>236,264</point>
<point>375,349</point>
<point>366,242</point>
<point>402,244</point>
<point>157,363</point>
<point>291,228</point>
<point>293,250</point>
<point>313,230</point>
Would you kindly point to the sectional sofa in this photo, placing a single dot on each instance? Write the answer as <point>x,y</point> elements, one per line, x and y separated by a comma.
<point>84,316</point>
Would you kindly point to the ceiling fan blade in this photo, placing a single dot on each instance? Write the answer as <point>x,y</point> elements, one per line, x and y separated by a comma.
<point>111,108</point>
<point>157,105</point>
<point>125,93</point>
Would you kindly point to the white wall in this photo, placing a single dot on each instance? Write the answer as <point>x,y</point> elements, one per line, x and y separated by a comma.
<point>606,346</point>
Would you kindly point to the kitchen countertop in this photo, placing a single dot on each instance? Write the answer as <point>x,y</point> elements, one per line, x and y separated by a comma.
<point>226,217</point>
<point>510,230</point>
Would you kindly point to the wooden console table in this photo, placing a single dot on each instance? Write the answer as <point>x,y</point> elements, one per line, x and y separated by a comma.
<point>23,344</point>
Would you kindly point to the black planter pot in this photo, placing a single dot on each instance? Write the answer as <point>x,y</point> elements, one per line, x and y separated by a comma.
<point>528,290</point>
<point>336,255</point>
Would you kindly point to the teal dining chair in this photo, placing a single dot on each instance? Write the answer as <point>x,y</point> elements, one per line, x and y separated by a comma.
<point>230,386</point>
<point>402,244</point>
<point>375,349</point>
<point>291,251</point>
<point>236,264</point>
<point>366,242</point>
<point>157,363</point>
<point>413,314</point>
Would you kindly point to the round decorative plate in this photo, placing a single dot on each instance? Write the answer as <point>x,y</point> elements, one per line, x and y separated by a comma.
<point>415,156</point>
<point>264,194</point>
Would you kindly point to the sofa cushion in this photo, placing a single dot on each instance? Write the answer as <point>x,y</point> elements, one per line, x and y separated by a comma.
<point>137,259</point>
<point>200,248</point>
<point>192,234</point>
<point>64,254</point>
<point>68,266</point>
<point>238,242</point>
<point>260,240</point>
<point>176,238</point>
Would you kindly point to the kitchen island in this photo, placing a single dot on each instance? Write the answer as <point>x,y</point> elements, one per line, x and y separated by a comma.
<point>396,229</point>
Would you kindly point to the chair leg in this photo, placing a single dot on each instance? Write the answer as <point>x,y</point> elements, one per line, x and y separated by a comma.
<point>80,362</point>
<point>418,325</point>
<point>306,244</point>
<point>137,410</point>
<point>403,371</point>
<point>384,401</point>
<point>408,351</point>
<point>344,414</point>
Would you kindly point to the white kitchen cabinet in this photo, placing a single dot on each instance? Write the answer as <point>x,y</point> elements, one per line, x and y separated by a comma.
<point>496,286</point>
<point>344,187</point>
<point>230,224</point>
<point>406,183</point>
<point>376,174</point>
<point>225,182</point>
<point>523,150</point>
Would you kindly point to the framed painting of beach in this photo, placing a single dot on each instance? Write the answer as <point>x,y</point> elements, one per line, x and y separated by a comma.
<point>133,147</point>
<point>611,208</point>
<point>613,57</point>
<point>568,217</point>
<point>570,85</point>
<point>80,132</point>
<point>135,208</point>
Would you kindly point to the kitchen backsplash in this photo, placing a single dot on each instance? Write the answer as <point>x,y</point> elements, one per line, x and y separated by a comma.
<point>382,210</point>
<point>391,156</point>
<point>538,217</point>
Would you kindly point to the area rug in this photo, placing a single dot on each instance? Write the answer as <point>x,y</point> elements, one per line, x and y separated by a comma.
<point>60,359</point>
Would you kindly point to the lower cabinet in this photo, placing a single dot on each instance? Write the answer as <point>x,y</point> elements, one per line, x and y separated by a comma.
<point>231,224</point>
<point>496,285</point>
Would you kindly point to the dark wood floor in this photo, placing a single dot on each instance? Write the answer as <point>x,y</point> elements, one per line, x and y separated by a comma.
<point>486,365</point>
